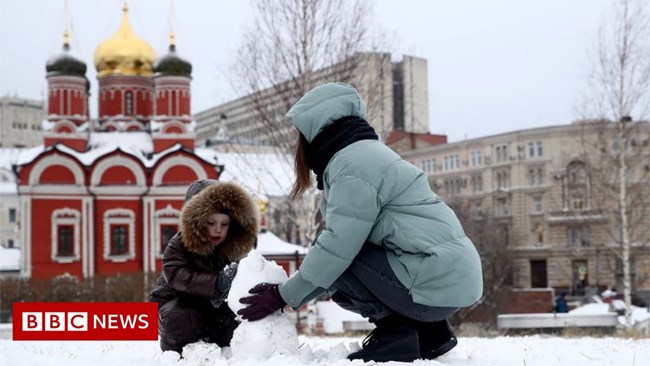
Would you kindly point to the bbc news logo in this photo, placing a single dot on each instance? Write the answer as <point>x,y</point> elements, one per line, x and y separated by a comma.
<point>92,321</point>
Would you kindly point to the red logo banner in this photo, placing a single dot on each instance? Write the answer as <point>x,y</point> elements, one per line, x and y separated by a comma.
<point>85,321</point>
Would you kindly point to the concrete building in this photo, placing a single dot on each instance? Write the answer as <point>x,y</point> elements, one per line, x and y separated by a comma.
<point>21,122</point>
<point>9,199</point>
<point>396,94</point>
<point>544,192</point>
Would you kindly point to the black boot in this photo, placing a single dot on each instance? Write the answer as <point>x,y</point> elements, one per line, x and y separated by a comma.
<point>394,339</point>
<point>436,339</point>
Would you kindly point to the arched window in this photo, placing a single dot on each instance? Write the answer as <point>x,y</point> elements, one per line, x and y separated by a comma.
<point>64,105</point>
<point>128,103</point>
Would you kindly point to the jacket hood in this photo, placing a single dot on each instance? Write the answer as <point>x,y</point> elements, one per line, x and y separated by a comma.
<point>323,105</point>
<point>217,197</point>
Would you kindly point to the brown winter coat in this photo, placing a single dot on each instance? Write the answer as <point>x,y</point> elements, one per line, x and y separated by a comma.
<point>190,262</point>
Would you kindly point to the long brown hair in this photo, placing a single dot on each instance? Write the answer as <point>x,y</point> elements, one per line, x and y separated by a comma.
<point>303,178</point>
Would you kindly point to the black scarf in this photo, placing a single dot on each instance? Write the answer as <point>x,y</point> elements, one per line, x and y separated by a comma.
<point>332,139</point>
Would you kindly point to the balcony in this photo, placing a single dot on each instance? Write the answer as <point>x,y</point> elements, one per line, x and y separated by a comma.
<point>566,216</point>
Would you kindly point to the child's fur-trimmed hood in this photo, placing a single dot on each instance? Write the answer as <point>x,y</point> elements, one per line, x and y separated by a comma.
<point>217,197</point>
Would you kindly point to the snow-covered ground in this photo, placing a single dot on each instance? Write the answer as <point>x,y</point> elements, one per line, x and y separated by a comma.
<point>501,351</point>
<point>273,341</point>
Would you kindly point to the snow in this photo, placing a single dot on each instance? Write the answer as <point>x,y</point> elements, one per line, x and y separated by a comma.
<point>8,188</point>
<point>17,156</point>
<point>592,309</point>
<point>273,341</point>
<point>333,316</point>
<point>502,351</point>
<point>639,315</point>
<point>137,144</point>
<point>274,335</point>
<point>9,259</point>
<point>269,244</point>
<point>271,173</point>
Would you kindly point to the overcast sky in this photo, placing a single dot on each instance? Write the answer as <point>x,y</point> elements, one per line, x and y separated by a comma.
<point>494,65</point>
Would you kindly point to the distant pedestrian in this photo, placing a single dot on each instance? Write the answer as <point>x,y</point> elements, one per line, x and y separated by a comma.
<point>218,227</point>
<point>391,249</point>
<point>561,305</point>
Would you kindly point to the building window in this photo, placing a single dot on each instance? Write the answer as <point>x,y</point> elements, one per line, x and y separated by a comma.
<point>536,176</point>
<point>477,183</point>
<point>128,103</point>
<point>502,180</point>
<point>501,153</point>
<point>580,276</point>
<point>119,241</point>
<point>578,186</point>
<point>119,235</point>
<point>65,233</point>
<point>65,243</point>
<point>167,232</point>
<point>478,210</point>
<point>579,236</point>
<point>503,207</point>
<point>165,227</point>
<point>616,144</point>
<point>451,163</point>
<point>429,166</point>
<point>535,149</point>
<point>536,206</point>
<point>538,273</point>
<point>10,243</point>
<point>12,215</point>
<point>538,233</point>
<point>505,234</point>
<point>453,186</point>
<point>475,158</point>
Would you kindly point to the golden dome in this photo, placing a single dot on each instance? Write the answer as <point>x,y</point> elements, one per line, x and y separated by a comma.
<point>124,53</point>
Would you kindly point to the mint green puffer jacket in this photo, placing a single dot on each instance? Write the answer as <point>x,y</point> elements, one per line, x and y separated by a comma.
<point>370,193</point>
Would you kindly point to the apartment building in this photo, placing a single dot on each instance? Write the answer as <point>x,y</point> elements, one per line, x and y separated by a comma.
<point>396,94</point>
<point>542,190</point>
<point>20,122</point>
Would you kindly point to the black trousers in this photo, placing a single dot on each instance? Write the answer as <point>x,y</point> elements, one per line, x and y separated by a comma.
<point>184,321</point>
<point>370,288</point>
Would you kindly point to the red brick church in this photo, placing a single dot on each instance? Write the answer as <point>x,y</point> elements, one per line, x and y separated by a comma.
<point>102,196</point>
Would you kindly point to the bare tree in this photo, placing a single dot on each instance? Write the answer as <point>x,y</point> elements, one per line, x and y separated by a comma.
<point>292,46</point>
<point>619,89</point>
<point>496,259</point>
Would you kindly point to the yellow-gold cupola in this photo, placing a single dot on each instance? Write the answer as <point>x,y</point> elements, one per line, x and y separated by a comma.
<point>124,53</point>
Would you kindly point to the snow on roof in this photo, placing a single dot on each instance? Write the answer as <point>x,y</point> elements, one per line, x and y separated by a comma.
<point>8,188</point>
<point>17,155</point>
<point>9,259</point>
<point>270,173</point>
<point>269,244</point>
<point>137,144</point>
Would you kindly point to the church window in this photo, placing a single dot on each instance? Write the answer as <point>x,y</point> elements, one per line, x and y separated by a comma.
<point>167,232</point>
<point>119,240</point>
<point>65,242</point>
<point>128,103</point>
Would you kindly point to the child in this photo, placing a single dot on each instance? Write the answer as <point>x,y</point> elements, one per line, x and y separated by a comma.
<point>218,227</point>
<point>391,250</point>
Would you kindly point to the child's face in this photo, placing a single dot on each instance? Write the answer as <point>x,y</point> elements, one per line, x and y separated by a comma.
<point>217,228</point>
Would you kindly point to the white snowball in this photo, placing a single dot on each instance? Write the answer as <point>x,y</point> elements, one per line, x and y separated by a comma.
<point>273,335</point>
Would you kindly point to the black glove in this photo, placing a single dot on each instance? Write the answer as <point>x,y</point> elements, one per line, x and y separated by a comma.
<point>266,299</point>
<point>223,283</point>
